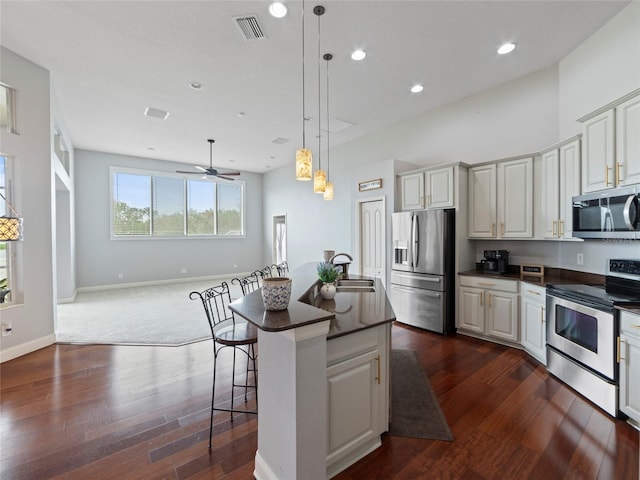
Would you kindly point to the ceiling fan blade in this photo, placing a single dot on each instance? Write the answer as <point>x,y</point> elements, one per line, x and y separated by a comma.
<point>229,173</point>
<point>182,171</point>
<point>226,178</point>
<point>200,168</point>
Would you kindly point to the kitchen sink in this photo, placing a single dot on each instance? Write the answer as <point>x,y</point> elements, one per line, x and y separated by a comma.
<point>355,285</point>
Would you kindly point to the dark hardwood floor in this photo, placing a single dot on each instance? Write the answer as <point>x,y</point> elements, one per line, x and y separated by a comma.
<point>102,412</point>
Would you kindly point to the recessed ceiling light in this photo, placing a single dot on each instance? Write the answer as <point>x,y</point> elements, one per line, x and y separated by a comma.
<point>417,88</point>
<point>358,55</point>
<point>506,48</point>
<point>195,85</point>
<point>278,9</point>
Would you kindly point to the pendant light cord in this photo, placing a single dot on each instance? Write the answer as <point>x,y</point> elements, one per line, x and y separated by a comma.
<point>9,205</point>
<point>304,112</point>
<point>319,103</point>
<point>327,57</point>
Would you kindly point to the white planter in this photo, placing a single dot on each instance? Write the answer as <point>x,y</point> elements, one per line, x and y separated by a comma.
<point>328,291</point>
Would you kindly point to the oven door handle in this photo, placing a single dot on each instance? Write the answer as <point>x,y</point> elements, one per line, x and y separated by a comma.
<point>626,212</point>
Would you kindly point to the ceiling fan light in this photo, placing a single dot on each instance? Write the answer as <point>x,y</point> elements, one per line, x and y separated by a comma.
<point>303,164</point>
<point>319,181</point>
<point>328,191</point>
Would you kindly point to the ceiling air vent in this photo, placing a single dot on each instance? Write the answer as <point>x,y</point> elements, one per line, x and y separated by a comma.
<point>156,113</point>
<point>250,27</point>
<point>280,141</point>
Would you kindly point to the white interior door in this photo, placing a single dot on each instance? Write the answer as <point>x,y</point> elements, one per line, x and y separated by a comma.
<point>279,239</point>
<point>372,239</point>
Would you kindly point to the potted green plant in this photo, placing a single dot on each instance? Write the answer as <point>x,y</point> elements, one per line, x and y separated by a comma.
<point>327,273</point>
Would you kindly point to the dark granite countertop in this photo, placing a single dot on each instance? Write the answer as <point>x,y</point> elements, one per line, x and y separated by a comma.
<point>349,312</point>
<point>632,308</point>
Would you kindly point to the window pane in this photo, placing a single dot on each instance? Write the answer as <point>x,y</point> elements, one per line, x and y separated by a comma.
<point>7,109</point>
<point>168,206</point>
<point>229,209</point>
<point>201,201</point>
<point>4,246</point>
<point>131,204</point>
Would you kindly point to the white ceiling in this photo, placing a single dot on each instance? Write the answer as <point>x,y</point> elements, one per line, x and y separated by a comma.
<point>109,60</point>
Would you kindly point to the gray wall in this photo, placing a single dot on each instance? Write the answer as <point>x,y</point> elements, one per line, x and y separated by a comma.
<point>100,259</point>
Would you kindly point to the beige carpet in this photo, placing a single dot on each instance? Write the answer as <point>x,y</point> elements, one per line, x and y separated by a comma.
<point>151,315</point>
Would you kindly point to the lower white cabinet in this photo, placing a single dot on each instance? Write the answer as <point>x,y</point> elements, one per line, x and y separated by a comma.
<point>489,306</point>
<point>357,395</point>
<point>533,331</point>
<point>629,353</point>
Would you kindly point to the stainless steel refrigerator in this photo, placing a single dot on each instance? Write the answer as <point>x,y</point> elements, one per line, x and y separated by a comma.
<point>422,288</point>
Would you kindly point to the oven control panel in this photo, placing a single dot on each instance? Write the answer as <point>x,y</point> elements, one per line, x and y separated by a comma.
<point>629,267</point>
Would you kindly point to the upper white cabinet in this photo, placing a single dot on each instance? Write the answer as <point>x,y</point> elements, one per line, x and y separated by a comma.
<point>433,188</point>
<point>501,200</point>
<point>412,191</point>
<point>560,181</point>
<point>611,154</point>
<point>628,142</point>
<point>440,191</point>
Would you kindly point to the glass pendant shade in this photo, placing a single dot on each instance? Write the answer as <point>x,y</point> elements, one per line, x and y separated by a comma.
<point>319,181</point>
<point>10,229</point>
<point>328,191</point>
<point>303,164</point>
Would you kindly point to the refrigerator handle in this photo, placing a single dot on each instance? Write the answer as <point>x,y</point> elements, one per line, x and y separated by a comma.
<point>416,240</point>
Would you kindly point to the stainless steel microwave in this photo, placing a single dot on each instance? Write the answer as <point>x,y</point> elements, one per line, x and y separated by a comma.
<point>611,213</point>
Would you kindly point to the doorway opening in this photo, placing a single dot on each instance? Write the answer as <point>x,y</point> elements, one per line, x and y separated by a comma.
<point>279,254</point>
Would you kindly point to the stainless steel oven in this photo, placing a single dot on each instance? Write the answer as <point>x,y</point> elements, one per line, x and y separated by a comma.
<point>582,332</point>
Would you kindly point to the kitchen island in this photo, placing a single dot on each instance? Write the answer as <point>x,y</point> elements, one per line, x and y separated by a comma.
<point>323,382</point>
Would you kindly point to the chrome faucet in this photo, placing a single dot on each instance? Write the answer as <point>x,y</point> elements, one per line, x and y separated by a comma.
<point>338,254</point>
<point>345,266</point>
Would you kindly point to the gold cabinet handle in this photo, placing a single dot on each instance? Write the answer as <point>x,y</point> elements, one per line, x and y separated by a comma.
<point>422,201</point>
<point>378,375</point>
<point>620,357</point>
<point>493,229</point>
<point>484,284</point>
<point>481,293</point>
<point>618,172</point>
<point>635,326</point>
<point>533,293</point>
<point>502,228</point>
<point>541,314</point>
<point>561,231</point>
<point>606,176</point>
<point>554,224</point>
<point>489,295</point>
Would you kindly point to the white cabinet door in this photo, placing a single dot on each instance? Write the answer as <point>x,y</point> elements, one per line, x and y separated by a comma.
<point>598,155</point>
<point>412,191</point>
<point>628,142</point>
<point>353,403</point>
<point>502,315</point>
<point>533,327</point>
<point>630,377</point>
<point>515,198</point>
<point>569,185</point>
<point>471,311</point>
<point>550,193</point>
<point>482,201</point>
<point>439,183</point>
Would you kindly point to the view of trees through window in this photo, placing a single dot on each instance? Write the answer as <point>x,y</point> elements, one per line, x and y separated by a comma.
<point>173,206</point>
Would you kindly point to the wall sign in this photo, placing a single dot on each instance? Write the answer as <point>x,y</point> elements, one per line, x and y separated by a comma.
<point>370,185</point>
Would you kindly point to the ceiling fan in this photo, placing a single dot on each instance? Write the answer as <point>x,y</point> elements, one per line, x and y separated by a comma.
<point>210,172</point>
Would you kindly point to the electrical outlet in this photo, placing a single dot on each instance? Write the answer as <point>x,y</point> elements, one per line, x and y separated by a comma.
<point>183,270</point>
<point>235,266</point>
<point>7,328</point>
<point>580,259</point>
<point>120,276</point>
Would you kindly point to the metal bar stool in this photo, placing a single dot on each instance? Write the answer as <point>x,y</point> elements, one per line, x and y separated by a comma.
<point>227,332</point>
<point>248,284</point>
<point>282,268</point>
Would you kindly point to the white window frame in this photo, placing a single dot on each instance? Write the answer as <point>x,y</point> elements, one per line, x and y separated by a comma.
<point>158,173</point>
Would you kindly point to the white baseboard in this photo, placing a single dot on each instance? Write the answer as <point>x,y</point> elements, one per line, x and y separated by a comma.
<point>27,347</point>
<point>160,282</point>
<point>70,299</point>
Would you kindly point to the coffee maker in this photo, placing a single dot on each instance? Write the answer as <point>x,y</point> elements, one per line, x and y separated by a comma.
<point>495,261</point>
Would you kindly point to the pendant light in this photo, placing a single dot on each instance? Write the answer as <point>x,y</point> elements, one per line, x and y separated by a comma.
<point>10,227</point>
<point>328,189</point>
<point>303,155</point>
<point>319,176</point>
